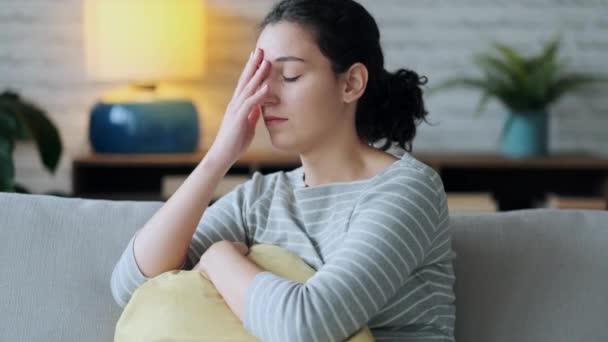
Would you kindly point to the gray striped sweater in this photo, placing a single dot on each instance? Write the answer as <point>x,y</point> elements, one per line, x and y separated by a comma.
<point>381,248</point>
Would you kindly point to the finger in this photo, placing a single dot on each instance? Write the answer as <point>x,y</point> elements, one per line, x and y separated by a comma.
<point>254,116</point>
<point>250,68</point>
<point>253,100</point>
<point>256,81</point>
<point>196,267</point>
<point>241,247</point>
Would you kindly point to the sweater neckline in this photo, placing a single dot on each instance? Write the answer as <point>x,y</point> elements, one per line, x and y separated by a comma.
<point>301,186</point>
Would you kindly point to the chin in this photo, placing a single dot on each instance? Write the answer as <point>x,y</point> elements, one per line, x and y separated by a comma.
<point>283,145</point>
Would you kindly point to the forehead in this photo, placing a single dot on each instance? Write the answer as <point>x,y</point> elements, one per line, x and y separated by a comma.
<point>288,39</point>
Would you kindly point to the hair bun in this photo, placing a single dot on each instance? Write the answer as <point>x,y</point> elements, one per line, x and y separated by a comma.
<point>398,107</point>
<point>406,78</point>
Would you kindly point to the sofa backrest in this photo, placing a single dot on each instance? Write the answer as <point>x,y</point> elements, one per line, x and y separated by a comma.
<point>536,275</point>
<point>56,260</point>
<point>532,275</point>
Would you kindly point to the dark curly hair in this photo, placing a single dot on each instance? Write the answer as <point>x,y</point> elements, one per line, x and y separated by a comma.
<point>346,33</point>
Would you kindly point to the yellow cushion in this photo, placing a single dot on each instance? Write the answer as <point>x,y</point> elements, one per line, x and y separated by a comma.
<point>185,306</point>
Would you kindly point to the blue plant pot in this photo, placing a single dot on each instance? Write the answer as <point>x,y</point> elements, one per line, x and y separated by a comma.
<point>167,126</point>
<point>525,135</point>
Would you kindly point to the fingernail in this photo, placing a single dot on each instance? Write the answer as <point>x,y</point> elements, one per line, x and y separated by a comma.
<point>251,55</point>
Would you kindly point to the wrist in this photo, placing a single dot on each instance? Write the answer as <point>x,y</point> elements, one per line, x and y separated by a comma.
<point>217,158</point>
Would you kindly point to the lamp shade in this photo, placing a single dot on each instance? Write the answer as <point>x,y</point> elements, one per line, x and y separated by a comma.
<point>144,40</point>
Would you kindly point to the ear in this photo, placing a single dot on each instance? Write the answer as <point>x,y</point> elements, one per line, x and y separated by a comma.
<point>355,82</point>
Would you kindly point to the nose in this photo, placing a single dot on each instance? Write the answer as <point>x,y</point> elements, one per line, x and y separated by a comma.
<point>271,97</point>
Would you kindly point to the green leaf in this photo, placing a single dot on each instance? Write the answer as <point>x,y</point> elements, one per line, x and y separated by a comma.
<point>44,133</point>
<point>482,104</point>
<point>8,123</point>
<point>512,58</point>
<point>571,82</point>
<point>9,103</point>
<point>492,65</point>
<point>7,169</point>
<point>549,52</point>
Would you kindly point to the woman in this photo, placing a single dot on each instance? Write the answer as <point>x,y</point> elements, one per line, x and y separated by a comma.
<point>375,227</point>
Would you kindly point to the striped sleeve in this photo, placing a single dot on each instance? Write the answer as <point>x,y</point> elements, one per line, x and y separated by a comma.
<point>225,219</point>
<point>389,233</point>
<point>126,276</point>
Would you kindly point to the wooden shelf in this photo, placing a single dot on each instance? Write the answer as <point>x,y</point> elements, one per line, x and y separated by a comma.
<point>437,160</point>
<point>471,203</point>
<point>171,183</point>
<point>493,161</point>
<point>250,157</point>
<point>569,202</point>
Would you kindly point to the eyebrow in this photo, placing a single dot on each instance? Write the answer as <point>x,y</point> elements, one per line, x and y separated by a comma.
<point>289,59</point>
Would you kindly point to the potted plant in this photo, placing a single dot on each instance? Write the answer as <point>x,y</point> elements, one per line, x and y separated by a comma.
<point>22,121</point>
<point>527,87</point>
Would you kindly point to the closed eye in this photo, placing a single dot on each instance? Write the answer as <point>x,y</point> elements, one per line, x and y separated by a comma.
<point>290,79</point>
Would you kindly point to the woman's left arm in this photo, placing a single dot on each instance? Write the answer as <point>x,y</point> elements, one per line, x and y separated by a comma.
<point>230,271</point>
<point>390,233</point>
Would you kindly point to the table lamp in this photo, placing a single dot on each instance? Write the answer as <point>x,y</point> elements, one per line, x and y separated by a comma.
<point>141,43</point>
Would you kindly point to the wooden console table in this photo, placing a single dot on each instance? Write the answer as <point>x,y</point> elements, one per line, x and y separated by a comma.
<point>514,183</point>
<point>522,183</point>
<point>140,177</point>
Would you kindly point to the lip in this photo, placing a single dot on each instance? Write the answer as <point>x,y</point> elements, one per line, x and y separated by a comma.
<point>271,121</point>
<point>270,117</point>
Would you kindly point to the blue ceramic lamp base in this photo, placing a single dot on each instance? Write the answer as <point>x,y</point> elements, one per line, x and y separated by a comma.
<point>163,126</point>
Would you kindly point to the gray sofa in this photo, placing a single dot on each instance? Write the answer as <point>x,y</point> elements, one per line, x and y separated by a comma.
<point>535,275</point>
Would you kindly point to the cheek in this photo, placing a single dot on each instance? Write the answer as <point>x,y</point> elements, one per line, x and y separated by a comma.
<point>311,96</point>
<point>314,109</point>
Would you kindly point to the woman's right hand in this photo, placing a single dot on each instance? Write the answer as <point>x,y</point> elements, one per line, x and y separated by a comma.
<point>240,119</point>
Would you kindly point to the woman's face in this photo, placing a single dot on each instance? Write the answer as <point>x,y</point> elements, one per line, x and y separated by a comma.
<point>302,89</point>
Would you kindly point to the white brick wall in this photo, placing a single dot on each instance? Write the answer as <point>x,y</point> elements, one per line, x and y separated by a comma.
<point>42,57</point>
